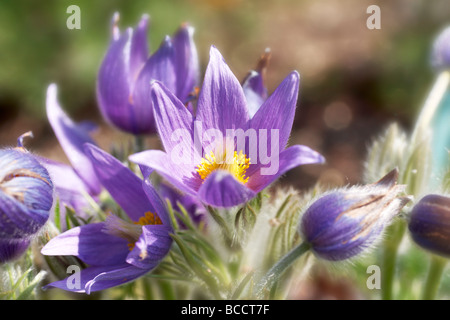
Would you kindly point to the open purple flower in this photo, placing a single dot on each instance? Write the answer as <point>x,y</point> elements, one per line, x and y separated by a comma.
<point>117,250</point>
<point>221,155</point>
<point>123,87</point>
<point>26,197</point>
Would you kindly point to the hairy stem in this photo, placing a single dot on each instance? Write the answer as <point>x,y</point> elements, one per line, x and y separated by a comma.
<point>273,275</point>
<point>437,266</point>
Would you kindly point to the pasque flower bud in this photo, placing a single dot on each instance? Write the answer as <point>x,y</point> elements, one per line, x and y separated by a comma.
<point>26,196</point>
<point>429,224</point>
<point>343,223</point>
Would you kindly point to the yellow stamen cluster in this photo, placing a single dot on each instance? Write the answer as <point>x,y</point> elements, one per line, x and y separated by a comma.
<point>237,166</point>
<point>127,230</point>
<point>149,218</point>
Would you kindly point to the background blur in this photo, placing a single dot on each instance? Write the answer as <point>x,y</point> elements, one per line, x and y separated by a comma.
<point>354,80</point>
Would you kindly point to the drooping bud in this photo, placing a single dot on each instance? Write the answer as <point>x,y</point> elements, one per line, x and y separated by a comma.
<point>26,197</point>
<point>429,224</point>
<point>344,223</point>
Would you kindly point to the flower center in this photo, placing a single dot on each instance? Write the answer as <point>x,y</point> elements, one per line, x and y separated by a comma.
<point>130,231</point>
<point>237,165</point>
<point>149,218</point>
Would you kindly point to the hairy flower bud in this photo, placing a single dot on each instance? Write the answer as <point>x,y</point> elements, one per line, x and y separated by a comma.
<point>343,223</point>
<point>429,224</point>
<point>26,196</point>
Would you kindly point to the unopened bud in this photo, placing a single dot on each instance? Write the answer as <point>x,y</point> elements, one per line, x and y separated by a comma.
<point>26,197</point>
<point>346,222</point>
<point>429,224</point>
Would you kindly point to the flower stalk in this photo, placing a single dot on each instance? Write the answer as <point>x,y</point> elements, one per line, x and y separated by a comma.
<point>389,260</point>
<point>435,272</point>
<point>268,281</point>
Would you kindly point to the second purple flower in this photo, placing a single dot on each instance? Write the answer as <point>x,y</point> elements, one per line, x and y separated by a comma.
<point>123,87</point>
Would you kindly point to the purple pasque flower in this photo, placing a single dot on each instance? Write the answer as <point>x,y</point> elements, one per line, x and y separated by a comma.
<point>343,223</point>
<point>72,182</point>
<point>123,85</point>
<point>429,224</point>
<point>117,250</point>
<point>221,155</point>
<point>26,197</point>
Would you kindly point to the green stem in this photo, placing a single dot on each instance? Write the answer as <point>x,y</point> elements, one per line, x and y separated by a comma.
<point>225,226</point>
<point>167,290</point>
<point>391,243</point>
<point>11,279</point>
<point>437,266</point>
<point>271,277</point>
<point>147,289</point>
<point>139,143</point>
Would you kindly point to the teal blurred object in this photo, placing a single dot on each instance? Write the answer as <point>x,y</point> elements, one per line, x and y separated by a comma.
<point>441,137</point>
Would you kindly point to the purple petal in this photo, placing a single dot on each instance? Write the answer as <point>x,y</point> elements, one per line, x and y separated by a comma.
<point>71,138</point>
<point>159,67</point>
<point>186,62</point>
<point>88,126</point>
<point>123,185</point>
<point>113,278</point>
<point>139,46</point>
<point>152,246</point>
<point>70,188</point>
<point>159,207</point>
<point>255,92</point>
<point>90,244</point>
<point>17,220</point>
<point>180,175</point>
<point>278,111</point>
<point>221,189</point>
<point>113,85</point>
<point>146,171</point>
<point>290,158</point>
<point>222,104</point>
<point>175,124</point>
<point>98,278</point>
<point>11,249</point>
